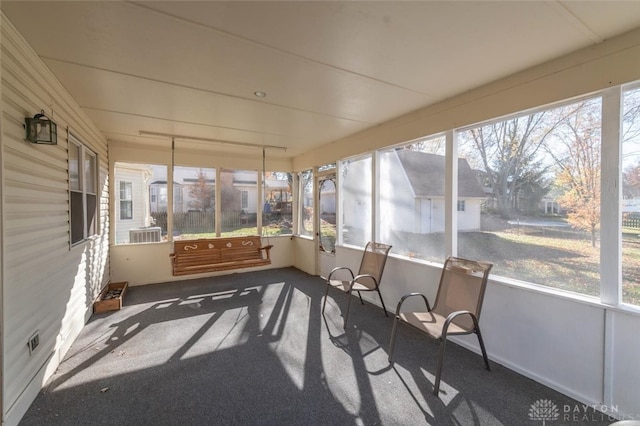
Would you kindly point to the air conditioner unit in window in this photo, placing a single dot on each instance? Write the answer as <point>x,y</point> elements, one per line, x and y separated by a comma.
<point>145,235</point>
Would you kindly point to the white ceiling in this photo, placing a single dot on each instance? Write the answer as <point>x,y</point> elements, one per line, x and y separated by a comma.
<point>329,69</point>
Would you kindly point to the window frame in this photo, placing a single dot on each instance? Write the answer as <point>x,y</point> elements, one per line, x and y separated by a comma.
<point>127,199</point>
<point>369,224</point>
<point>244,199</point>
<point>310,174</point>
<point>285,207</point>
<point>90,228</point>
<point>610,282</point>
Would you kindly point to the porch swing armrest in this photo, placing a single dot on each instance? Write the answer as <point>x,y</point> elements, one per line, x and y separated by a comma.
<point>266,249</point>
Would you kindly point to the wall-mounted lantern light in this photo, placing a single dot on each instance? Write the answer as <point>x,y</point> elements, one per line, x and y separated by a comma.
<point>40,129</point>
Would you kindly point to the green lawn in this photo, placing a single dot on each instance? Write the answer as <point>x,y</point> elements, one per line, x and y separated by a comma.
<point>565,263</point>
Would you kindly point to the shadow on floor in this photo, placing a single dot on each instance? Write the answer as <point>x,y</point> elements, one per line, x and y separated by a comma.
<point>253,349</point>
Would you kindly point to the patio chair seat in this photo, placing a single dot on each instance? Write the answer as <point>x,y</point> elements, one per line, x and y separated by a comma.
<point>430,323</point>
<point>345,285</point>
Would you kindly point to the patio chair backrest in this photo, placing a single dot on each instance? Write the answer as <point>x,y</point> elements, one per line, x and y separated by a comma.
<point>462,286</point>
<point>373,261</point>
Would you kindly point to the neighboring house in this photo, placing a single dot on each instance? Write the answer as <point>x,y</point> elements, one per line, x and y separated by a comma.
<point>158,196</point>
<point>242,184</point>
<point>278,197</point>
<point>421,175</point>
<point>631,205</point>
<point>132,198</point>
<point>278,190</point>
<point>327,198</point>
<point>550,205</point>
<point>246,183</point>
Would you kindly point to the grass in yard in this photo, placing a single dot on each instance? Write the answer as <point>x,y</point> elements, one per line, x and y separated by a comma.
<point>564,263</point>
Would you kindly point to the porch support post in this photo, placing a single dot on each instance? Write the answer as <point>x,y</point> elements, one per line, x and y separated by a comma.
<point>451,194</point>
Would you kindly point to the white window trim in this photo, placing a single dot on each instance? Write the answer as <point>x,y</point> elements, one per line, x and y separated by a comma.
<point>611,262</point>
<point>121,199</point>
<point>83,152</point>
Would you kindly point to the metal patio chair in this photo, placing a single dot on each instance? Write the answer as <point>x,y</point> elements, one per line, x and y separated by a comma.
<point>368,278</point>
<point>456,310</point>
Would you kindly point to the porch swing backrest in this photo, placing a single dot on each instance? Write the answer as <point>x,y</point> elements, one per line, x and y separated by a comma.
<point>218,254</point>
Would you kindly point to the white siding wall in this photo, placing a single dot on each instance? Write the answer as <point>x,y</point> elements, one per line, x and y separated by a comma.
<point>397,198</point>
<point>469,219</point>
<point>47,285</point>
<point>252,197</point>
<point>140,197</point>
<point>437,215</point>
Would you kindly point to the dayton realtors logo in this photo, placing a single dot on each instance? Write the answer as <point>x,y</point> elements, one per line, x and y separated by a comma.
<point>544,410</point>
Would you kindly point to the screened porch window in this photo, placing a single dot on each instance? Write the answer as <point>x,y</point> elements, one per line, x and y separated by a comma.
<point>82,191</point>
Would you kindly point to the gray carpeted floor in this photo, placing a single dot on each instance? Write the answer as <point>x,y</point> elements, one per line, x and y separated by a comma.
<point>253,349</point>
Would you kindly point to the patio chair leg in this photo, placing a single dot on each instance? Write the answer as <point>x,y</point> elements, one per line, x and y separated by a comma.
<point>346,315</point>
<point>360,296</point>
<point>392,345</point>
<point>326,295</point>
<point>382,301</point>
<point>436,386</point>
<point>484,351</point>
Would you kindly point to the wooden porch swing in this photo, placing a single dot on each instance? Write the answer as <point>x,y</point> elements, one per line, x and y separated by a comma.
<point>220,254</point>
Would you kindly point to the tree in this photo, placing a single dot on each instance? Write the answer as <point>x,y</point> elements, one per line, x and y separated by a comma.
<point>630,122</point>
<point>201,193</point>
<point>531,187</point>
<point>431,145</point>
<point>631,181</point>
<point>631,142</point>
<point>510,153</point>
<point>576,151</point>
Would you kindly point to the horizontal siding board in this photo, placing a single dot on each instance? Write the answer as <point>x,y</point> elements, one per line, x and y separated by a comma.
<point>34,233</point>
<point>45,195</point>
<point>31,239</point>
<point>43,281</point>
<point>32,206</point>
<point>31,249</point>
<point>43,158</point>
<point>48,285</point>
<point>18,222</point>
